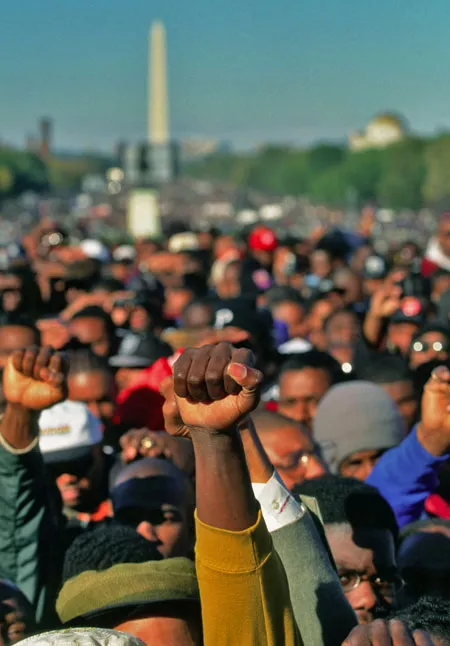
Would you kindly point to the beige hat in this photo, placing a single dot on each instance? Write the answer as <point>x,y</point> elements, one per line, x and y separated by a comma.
<point>83,637</point>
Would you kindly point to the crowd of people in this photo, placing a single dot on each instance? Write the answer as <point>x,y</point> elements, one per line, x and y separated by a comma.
<point>225,440</point>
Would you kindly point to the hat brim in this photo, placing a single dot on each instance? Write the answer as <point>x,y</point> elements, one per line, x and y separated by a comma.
<point>67,455</point>
<point>126,361</point>
<point>136,605</point>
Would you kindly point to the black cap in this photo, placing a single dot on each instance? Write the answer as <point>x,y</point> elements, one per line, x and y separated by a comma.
<point>375,268</point>
<point>138,351</point>
<point>411,310</point>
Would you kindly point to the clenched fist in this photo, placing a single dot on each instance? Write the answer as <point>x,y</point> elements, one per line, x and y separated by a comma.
<point>35,378</point>
<point>213,388</point>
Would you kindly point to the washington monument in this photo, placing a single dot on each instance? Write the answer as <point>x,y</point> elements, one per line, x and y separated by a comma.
<point>158,103</point>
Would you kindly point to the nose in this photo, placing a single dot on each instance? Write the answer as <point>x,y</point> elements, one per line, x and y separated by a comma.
<point>314,469</point>
<point>148,531</point>
<point>364,597</point>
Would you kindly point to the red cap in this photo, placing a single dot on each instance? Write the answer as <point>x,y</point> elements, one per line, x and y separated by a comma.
<point>262,239</point>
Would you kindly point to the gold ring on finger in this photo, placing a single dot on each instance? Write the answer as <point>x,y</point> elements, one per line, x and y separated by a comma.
<point>147,443</point>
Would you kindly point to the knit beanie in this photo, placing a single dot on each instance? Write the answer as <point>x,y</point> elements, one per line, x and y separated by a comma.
<point>356,416</point>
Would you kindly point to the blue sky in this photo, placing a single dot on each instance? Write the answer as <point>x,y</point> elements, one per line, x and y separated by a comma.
<point>248,71</point>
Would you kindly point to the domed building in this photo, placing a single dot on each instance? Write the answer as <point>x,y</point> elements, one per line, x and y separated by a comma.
<point>383,130</point>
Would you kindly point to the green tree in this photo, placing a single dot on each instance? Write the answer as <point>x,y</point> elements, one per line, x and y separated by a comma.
<point>437,169</point>
<point>402,175</point>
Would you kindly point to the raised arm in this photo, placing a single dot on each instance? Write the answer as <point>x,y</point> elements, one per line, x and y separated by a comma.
<point>243,586</point>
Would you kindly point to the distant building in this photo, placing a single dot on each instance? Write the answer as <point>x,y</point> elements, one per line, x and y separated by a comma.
<point>194,149</point>
<point>383,130</point>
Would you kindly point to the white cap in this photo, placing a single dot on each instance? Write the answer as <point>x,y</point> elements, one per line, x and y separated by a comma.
<point>186,241</point>
<point>95,250</point>
<point>83,637</point>
<point>124,252</point>
<point>295,346</point>
<point>68,431</point>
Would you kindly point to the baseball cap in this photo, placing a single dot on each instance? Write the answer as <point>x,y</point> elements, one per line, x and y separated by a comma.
<point>83,637</point>
<point>124,253</point>
<point>375,268</point>
<point>139,351</point>
<point>186,241</point>
<point>131,584</point>
<point>262,239</point>
<point>67,432</point>
<point>411,310</point>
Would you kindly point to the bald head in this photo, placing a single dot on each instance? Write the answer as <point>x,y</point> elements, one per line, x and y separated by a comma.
<point>270,422</point>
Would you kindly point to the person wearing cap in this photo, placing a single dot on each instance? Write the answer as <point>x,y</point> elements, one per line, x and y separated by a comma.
<point>432,342</point>
<point>156,499</point>
<point>354,425</point>
<point>375,271</point>
<point>262,243</point>
<point>136,353</point>
<point>115,579</point>
<point>83,637</point>
<point>123,263</point>
<point>70,442</point>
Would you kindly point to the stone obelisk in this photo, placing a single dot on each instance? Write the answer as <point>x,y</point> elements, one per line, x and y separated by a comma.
<point>158,103</point>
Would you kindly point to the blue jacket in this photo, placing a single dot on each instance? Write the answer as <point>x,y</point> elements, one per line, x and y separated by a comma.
<point>405,476</point>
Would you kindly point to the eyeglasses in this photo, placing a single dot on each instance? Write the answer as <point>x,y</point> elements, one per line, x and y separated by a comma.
<point>387,589</point>
<point>295,460</point>
<point>423,346</point>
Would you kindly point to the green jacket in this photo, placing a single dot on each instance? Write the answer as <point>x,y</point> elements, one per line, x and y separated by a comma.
<point>28,532</point>
<point>322,612</point>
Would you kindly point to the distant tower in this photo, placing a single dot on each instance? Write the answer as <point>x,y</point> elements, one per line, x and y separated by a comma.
<point>45,134</point>
<point>158,103</point>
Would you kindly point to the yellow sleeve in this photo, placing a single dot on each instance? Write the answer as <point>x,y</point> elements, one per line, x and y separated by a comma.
<point>243,588</point>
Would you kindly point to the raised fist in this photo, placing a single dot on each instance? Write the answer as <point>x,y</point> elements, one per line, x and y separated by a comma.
<point>35,378</point>
<point>213,388</point>
<point>434,428</point>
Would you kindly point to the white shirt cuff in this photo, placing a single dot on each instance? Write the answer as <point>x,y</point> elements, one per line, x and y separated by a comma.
<point>278,506</point>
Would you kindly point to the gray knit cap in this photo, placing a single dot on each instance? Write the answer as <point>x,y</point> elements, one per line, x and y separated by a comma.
<point>83,637</point>
<point>356,416</point>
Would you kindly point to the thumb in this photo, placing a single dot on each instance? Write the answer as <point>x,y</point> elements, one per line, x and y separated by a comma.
<point>248,378</point>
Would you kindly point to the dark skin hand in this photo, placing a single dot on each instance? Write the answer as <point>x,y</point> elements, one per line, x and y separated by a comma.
<point>387,633</point>
<point>142,443</point>
<point>33,379</point>
<point>213,389</point>
<point>434,429</point>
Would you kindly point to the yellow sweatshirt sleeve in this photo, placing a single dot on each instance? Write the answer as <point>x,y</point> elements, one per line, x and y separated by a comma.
<point>243,588</point>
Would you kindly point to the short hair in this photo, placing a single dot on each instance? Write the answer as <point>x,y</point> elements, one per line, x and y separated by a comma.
<point>313,359</point>
<point>20,320</point>
<point>385,369</point>
<point>431,614</point>
<point>278,295</point>
<point>96,312</point>
<point>84,360</point>
<point>350,501</point>
<point>341,310</point>
<point>102,548</point>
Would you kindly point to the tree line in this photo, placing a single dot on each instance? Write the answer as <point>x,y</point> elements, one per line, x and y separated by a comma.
<point>409,174</point>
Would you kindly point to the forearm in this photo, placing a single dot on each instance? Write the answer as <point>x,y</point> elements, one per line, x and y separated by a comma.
<point>259,466</point>
<point>19,426</point>
<point>225,498</point>
<point>373,329</point>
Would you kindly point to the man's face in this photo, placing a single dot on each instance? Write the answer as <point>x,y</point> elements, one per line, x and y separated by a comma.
<point>320,263</point>
<point>301,392</point>
<point>95,389</point>
<point>12,338</point>
<point>165,629</point>
<point>198,316</point>
<point>164,520</point>
<point>293,314</point>
<point>92,331</point>
<point>360,465</point>
<point>366,556</point>
<point>292,453</point>
<point>79,481</point>
<point>400,335</point>
<point>343,329</point>
<point>402,393</point>
<point>431,345</point>
<point>444,236</point>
